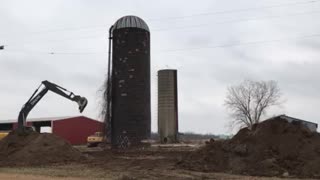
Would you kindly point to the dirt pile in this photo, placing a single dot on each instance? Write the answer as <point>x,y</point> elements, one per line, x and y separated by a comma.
<point>36,149</point>
<point>272,148</point>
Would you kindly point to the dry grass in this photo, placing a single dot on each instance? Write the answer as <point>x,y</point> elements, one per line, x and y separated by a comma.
<point>77,171</point>
<point>80,172</point>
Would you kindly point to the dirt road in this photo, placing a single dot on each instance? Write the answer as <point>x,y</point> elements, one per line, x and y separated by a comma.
<point>10,176</point>
<point>175,175</point>
<point>149,163</point>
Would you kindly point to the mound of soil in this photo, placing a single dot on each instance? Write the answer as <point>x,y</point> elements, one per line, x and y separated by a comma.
<point>272,148</point>
<point>36,149</point>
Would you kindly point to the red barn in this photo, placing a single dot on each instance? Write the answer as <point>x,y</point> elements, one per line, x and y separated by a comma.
<point>74,129</point>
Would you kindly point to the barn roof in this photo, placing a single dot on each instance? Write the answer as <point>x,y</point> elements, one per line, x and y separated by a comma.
<point>290,119</point>
<point>40,119</point>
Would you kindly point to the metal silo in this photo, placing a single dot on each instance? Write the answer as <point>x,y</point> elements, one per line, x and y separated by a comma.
<point>129,101</point>
<point>167,106</point>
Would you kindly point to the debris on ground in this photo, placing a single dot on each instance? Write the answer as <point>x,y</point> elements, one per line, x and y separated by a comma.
<point>272,148</point>
<point>36,149</point>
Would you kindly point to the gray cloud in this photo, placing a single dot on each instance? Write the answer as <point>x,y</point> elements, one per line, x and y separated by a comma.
<point>204,74</point>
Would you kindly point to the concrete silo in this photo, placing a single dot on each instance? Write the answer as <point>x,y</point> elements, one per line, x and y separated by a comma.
<point>130,112</point>
<point>167,106</point>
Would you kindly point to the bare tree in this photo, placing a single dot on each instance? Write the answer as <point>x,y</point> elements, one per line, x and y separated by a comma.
<point>249,100</point>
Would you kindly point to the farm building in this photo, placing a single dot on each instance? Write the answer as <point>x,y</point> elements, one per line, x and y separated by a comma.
<point>74,129</point>
<point>310,125</point>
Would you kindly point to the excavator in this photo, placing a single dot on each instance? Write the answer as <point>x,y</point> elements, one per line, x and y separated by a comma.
<point>38,95</point>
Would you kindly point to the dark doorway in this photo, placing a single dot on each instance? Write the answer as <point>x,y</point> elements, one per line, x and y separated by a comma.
<point>6,127</point>
<point>38,125</point>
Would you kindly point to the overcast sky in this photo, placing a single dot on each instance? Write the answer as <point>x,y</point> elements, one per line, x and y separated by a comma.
<point>265,40</point>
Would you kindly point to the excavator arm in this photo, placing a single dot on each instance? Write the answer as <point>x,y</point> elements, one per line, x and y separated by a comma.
<point>38,95</point>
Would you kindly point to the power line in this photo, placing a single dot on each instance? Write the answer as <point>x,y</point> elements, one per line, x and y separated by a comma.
<point>238,20</point>
<point>75,53</point>
<point>236,10</point>
<point>188,26</point>
<point>56,40</point>
<point>180,17</point>
<point>241,43</point>
<point>70,29</point>
<point>182,27</point>
<point>249,43</point>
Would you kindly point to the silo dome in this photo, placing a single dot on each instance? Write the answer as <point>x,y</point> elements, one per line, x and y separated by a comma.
<point>131,22</point>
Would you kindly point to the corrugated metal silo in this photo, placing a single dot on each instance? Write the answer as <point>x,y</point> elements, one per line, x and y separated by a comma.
<point>167,106</point>
<point>130,107</point>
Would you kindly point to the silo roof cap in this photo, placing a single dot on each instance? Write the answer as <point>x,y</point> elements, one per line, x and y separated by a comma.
<point>131,22</point>
<point>167,70</point>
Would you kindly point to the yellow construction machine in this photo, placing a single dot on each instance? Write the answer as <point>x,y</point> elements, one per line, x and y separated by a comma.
<point>3,134</point>
<point>97,139</point>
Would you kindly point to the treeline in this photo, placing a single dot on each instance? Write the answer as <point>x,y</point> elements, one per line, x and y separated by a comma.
<point>193,136</point>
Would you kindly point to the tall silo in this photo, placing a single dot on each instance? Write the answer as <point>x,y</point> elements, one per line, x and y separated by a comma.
<point>130,82</point>
<point>167,106</point>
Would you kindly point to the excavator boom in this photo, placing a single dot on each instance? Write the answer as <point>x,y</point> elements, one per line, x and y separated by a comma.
<point>38,95</point>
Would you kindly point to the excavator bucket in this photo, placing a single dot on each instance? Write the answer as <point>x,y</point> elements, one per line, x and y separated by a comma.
<point>82,103</point>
